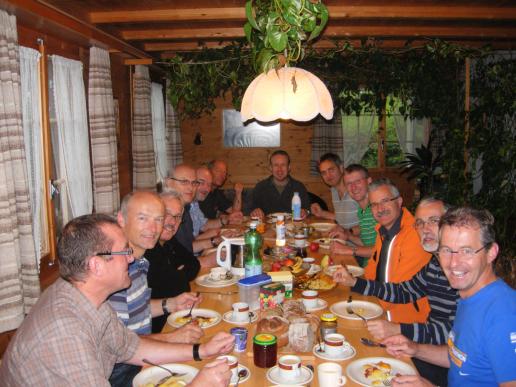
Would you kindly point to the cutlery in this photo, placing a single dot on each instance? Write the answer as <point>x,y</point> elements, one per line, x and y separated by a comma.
<point>189,315</point>
<point>251,315</point>
<point>351,311</point>
<point>387,382</point>
<point>311,368</point>
<point>320,350</point>
<point>163,380</point>
<point>371,343</point>
<point>241,374</point>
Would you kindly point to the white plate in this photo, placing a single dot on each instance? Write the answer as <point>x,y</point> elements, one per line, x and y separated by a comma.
<point>271,218</point>
<point>324,243</point>
<point>355,271</point>
<point>322,227</point>
<point>204,280</point>
<point>228,317</point>
<point>356,373</point>
<point>155,374</point>
<point>242,380</point>
<point>273,376</point>
<point>171,320</point>
<point>366,309</point>
<point>314,269</point>
<point>292,244</point>
<point>348,353</point>
<point>321,304</point>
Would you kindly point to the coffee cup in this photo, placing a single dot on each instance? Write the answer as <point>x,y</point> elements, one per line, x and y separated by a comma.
<point>299,240</point>
<point>218,273</point>
<point>289,367</point>
<point>310,298</point>
<point>334,344</point>
<point>233,365</point>
<point>240,311</point>
<point>330,375</point>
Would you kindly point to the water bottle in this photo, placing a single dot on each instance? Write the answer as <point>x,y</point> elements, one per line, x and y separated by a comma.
<point>296,206</point>
<point>280,231</point>
<point>253,243</point>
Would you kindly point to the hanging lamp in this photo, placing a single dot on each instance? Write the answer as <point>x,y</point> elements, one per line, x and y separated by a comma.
<point>289,93</point>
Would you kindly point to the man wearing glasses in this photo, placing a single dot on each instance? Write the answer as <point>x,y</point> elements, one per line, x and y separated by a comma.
<point>398,254</point>
<point>428,282</point>
<point>73,337</point>
<point>481,347</point>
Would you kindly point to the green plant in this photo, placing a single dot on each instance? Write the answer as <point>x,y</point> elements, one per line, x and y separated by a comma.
<point>277,30</point>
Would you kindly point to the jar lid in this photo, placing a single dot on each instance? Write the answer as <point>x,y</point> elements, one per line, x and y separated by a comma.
<point>264,339</point>
<point>328,317</point>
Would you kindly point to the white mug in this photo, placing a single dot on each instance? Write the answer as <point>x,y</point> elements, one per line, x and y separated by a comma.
<point>334,344</point>
<point>224,260</point>
<point>310,298</point>
<point>240,311</point>
<point>299,240</point>
<point>330,375</point>
<point>233,365</point>
<point>289,367</point>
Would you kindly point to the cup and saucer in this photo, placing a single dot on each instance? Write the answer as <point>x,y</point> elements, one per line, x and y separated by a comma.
<point>236,368</point>
<point>290,371</point>
<point>311,302</point>
<point>240,314</point>
<point>334,348</point>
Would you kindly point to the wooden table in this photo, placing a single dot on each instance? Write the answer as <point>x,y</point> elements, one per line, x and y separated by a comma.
<point>351,329</point>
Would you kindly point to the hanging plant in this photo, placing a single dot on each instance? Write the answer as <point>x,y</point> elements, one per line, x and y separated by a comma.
<point>278,29</point>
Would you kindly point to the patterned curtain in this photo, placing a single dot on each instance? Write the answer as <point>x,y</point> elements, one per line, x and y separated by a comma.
<point>327,138</point>
<point>19,278</point>
<point>144,167</point>
<point>106,195</point>
<point>158,131</point>
<point>174,145</point>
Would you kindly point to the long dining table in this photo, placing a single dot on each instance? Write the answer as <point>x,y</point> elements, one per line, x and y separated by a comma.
<point>221,300</point>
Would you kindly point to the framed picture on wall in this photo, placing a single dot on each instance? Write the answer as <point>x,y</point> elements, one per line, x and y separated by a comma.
<point>251,135</point>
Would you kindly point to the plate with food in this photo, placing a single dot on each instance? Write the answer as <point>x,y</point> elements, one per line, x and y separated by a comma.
<point>355,271</point>
<point>205,318</point>
<point>324,243</point>
<point>155,376</point>
<point>319,281</point>
<point>377,371</point>
<point>322,227</point>
<point>366,309</point>
<point>206,281</point>
<point>271,218</point>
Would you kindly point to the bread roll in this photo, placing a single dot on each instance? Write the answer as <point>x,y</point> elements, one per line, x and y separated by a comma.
<point>274,325</point>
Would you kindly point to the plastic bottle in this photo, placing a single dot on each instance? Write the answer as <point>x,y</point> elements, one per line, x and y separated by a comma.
<point>253,259</point>
<point>280,231</point>
<point>296,206</point>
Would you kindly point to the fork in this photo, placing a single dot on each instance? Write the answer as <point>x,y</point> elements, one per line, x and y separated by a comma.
<point>387,382</point>
<point>351,311</point>
<point>189,315</point>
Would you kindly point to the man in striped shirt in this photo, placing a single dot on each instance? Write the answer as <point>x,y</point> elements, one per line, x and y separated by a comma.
<point>430,281</point>
<point>357,180</point>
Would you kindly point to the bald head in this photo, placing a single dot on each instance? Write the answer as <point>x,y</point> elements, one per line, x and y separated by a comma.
<point>183,180</point>
<point>204,177</point>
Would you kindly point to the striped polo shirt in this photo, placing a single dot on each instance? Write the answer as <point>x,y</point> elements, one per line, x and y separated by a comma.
<point>367,226</point>
<point>345,209</point>
<point>132,305</point>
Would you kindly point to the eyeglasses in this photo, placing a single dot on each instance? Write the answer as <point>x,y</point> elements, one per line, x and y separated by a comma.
<point>382,202</point>
<point>184,182</point>
<point>177,218</point>
<point>128,251</point>
<point>466,252</point>
<point>432,221</point>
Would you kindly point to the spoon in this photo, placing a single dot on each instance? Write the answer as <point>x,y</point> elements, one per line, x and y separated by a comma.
<point>320,350</point>
<point>371,343</point>
<point>311,368</point>
<point>241,374</point>
<point>189,315</point>
<point>163,380</point>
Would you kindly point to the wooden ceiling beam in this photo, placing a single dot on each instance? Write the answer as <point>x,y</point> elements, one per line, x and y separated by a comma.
<point>425,12</point>
<point>394,31</point>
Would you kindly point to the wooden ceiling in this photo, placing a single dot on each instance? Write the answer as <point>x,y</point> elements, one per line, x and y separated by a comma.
<point>161,28</point>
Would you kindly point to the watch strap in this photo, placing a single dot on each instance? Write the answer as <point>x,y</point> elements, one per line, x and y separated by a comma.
<point>164,306</point>
<point>195,352</point>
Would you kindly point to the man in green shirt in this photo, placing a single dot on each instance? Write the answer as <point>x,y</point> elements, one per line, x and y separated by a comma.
<point>357,180</point>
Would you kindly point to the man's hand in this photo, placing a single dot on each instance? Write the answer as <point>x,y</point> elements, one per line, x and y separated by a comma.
<point>411,380</point>
<point>381,329</point>
<point>344,277</point>
<point>188,334</point>
<point>304,213</point>
<point>214,374</point>
<point>337,232</point>
<point>183,301</point>
<point>316,210</point>
<point>338,248</point>
<point>239,187</point>
<point>220,344</point>
<point>257,212</point>
<point>236,217</point>
<point>399,346</point>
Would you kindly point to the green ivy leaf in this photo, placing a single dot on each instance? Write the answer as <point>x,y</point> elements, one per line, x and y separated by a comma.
<point>249,14</point>
<point>247,31</point>
<point>309,23</point>
<point>277,39</point>
<point>324,19</point>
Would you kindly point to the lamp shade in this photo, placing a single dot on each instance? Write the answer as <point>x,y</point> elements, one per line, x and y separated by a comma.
<point>288,93</point>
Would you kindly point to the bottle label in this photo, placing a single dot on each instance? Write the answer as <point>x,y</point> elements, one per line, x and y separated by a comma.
<point>296,211</point>
<point>251,270</point>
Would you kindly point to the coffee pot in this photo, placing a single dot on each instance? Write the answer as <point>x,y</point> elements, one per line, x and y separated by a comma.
<point>233,259</point>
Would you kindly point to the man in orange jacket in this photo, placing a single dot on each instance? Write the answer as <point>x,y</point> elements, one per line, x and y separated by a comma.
<point>398,254</point>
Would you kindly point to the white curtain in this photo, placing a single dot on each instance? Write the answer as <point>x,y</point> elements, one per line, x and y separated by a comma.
<point>357,132</point>
<point>158,131</point>
<point>30,92</point>
<point>71,137</point>
<point>412,133</point>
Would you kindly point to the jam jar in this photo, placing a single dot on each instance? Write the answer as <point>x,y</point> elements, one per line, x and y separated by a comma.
<point>265,350</point>
<point>328,324</point>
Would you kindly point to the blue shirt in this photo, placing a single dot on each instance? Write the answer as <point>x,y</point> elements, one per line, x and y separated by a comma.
<point>482,343</point>
<point>132,305</point>
<point>198,218</point>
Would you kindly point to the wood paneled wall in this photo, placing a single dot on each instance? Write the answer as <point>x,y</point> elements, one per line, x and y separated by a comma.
<point>249,165</point>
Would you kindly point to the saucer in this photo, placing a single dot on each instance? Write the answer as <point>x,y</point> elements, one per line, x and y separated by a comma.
<point>205,280</point>
<point>242,380</point>
<point>273,376</point>
<point>228,317</point>
<point>321,304</point>
<point>344,355</point>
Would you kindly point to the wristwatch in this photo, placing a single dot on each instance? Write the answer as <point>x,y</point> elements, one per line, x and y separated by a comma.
<point>164,306</point>
<point>354,249</point>
<point>213,242</point>
<point>195,352</point>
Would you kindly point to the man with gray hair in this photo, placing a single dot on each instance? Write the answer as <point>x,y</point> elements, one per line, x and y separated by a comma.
<point>398,254</point>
